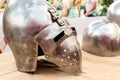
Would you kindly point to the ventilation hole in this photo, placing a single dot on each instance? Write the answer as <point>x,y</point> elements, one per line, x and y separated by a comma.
<point>62,60</point>
<point>59,36</point>
<point>65,50</point>
<point>75,54</point>
<point>68,57</point>
<point>71,64</point>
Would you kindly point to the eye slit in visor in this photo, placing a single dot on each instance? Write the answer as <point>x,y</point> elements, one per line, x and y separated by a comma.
<point>59,36</point>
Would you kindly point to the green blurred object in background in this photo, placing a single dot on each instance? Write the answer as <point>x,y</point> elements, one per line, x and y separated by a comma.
<point>2,4</point>
<point>59,4</point>
<point>49,0</point>
<point>105,2</point>
<point>101,9</point>
<point>103,6</point>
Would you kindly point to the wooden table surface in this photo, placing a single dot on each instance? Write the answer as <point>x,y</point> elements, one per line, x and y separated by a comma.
<point>93,68</point>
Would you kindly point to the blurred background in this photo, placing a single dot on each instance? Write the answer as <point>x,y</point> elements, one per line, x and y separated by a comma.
<point>101,8</point>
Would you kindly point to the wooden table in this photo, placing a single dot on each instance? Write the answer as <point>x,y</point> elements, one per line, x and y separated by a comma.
<point>93,68</point>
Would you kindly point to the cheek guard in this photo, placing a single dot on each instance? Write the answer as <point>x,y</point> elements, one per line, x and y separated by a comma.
<point>57,41</point>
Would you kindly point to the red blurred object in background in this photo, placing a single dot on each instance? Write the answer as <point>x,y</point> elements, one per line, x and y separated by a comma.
<point>3,45</point>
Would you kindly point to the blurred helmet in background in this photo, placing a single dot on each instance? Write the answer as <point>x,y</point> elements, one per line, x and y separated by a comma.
<point>113,13</point>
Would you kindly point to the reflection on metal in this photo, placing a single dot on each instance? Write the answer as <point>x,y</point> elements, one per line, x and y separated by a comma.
<point>29,23</point>
<point>114,12</point>
<point>102,38</point>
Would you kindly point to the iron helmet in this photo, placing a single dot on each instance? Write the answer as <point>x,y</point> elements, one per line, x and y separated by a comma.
<point>32,23</point>
<point>113,13</point>
<point>101,37</point>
